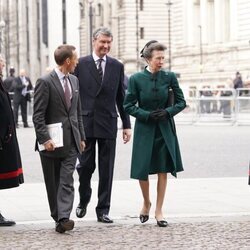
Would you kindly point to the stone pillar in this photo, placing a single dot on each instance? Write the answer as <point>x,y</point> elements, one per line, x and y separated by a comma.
<point>189,24</point>
<point>203,18</point>
<point>233,20</point>
<point>217,21</point>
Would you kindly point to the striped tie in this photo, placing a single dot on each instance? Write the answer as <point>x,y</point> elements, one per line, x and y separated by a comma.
<point>99,68</point>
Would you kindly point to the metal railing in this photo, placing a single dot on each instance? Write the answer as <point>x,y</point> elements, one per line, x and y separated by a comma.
<point>218,105</point>
<point>207,106</point>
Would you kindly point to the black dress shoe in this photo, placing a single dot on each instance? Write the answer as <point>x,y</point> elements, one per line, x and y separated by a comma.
<point>104,218</point>
<point>81,211</point>
<point>162,223</point>
<point>64,225</point>
<point>5,222</point>
<point>26,126</point>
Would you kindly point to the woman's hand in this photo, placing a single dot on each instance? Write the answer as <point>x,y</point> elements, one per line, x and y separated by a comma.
<point>159,115</point>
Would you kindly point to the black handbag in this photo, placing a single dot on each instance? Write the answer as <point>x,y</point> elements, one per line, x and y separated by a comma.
<point>249,175</point>
<point>170,101</point>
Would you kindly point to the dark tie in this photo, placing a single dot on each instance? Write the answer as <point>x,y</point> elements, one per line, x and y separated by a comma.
<point>66,91</point>
<point>99,68</point>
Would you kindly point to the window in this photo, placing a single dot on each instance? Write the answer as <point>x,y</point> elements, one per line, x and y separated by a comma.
<point>45,22</point>
<point>27,31</point>
<point>141,33</point>
<point>82,10</point>
<point>38,30</point>
<point>64,22</point>
<point>141,5</point>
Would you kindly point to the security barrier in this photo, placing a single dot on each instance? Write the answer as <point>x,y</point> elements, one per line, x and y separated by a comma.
<point>206,106</point>
<point>243,106</point>
<point>216,106</point>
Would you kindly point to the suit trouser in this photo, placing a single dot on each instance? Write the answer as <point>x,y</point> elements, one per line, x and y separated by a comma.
<point>23,104</point>
<point>106,157</point>
<point>58,177</point>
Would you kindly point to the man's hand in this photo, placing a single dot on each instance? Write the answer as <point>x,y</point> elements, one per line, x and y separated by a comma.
<point>49,145</point>
<point>82,145</point>
<point>126,135</point>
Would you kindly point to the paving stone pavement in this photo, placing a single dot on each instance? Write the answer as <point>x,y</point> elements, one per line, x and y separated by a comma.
<point>228,234</point>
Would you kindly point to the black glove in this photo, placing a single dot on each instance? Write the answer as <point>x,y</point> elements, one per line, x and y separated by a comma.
<point>159,115</point>
<point>153,116</point>
<point>162,114</point>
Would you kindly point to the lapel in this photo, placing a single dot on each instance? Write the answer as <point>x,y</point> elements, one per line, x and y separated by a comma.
<point>58,86</point>
<point>73,89</point>
<point>93,69</point>
<point>108,69</point>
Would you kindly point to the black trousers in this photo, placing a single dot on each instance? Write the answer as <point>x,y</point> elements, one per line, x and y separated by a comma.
<point>106,157</point>
<point>23,104</point>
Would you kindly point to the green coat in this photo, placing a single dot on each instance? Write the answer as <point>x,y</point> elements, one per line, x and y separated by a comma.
<point>148,92</point>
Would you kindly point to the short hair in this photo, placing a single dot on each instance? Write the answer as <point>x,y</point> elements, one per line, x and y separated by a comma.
<point>12,70</point>
<point>63,52</point>
<point>102,31</point>
<point>148,50</point>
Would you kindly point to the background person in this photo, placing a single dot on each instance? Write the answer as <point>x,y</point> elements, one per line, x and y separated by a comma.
<point>11,173</point>
<point>56,100</point>
<point>102,90</point>
<point>22,87</point>
<point>237,82</point>
<point>154,132</point>
<point>8,82</point>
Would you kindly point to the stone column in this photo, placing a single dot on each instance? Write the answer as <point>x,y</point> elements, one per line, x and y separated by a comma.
<point>217,21</point>
<point>203,18</point>
<point>233,20</point>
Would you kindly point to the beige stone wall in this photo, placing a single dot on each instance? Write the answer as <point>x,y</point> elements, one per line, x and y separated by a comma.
<point>224,40</point>
<point>225,29</point>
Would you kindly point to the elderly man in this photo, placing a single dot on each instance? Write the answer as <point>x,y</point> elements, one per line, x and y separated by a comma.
<point>101,80</point>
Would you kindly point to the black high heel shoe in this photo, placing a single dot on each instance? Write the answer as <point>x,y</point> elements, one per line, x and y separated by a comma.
<point>144,217</point>
<point>162,223</point>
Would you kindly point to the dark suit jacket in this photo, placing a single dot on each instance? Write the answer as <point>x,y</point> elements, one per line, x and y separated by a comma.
<point>100,100</point>
<point>18,86</point>
<point>50,107</point>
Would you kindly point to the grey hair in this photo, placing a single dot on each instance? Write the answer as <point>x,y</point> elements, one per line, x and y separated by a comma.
<point>147,52</point>
<point>102,31</point>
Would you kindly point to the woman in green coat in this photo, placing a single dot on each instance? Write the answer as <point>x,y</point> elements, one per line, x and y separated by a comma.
<point>155,146</point>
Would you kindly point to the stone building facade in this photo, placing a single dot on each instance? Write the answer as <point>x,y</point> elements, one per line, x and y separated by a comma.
<point>207,40</point>
<point>32,29</point>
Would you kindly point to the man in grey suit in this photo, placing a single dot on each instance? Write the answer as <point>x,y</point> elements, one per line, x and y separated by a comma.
<point>101,81</point>
<point>56,100</point>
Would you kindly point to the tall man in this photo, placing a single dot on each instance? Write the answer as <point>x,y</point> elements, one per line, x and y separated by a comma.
<point>22,87</point>
<point>102,90</point>
<point>57,100</point>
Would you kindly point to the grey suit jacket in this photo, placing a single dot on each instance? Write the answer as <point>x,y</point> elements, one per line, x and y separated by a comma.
<point>50,107</point>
